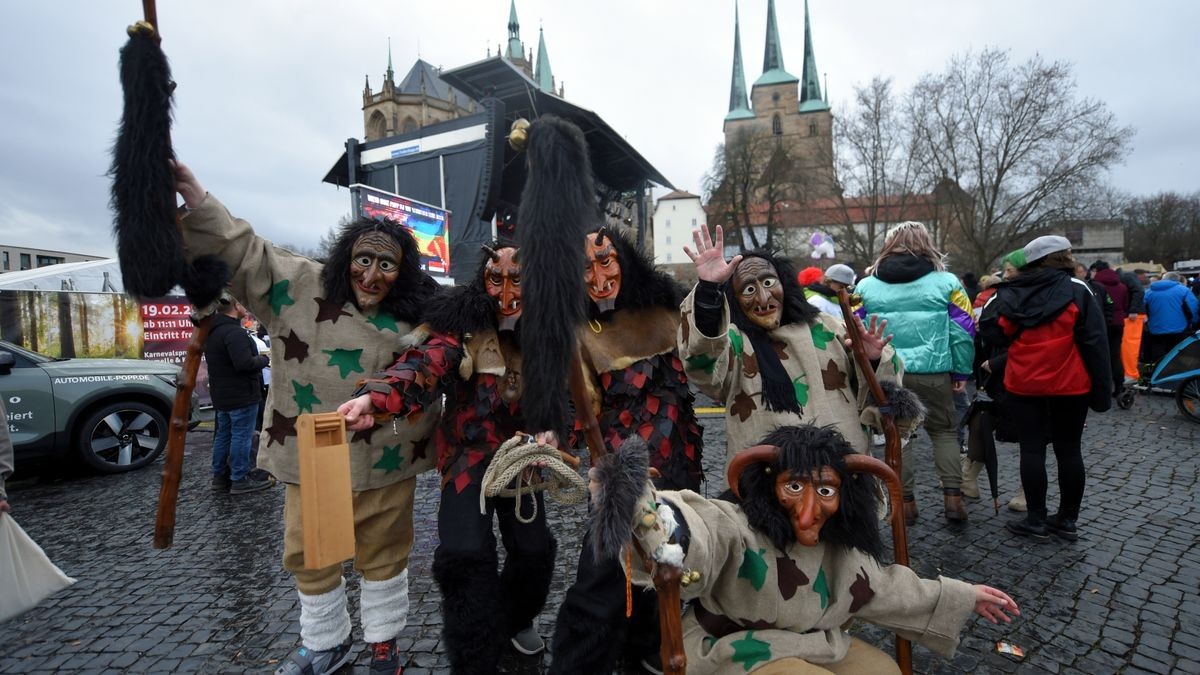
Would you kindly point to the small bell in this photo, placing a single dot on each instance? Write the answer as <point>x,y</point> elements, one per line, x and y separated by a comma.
<point>518,135</point>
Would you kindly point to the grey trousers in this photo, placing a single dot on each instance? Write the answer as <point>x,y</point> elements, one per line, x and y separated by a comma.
<point>940,423</point>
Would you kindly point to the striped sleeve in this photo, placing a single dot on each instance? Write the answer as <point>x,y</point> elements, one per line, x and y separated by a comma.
<point>962,333</point>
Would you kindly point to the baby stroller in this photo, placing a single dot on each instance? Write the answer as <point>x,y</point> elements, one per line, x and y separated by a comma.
<point>1181,367</point>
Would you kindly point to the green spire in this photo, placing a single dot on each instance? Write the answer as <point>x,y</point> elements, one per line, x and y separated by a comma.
<point>543,74</point>
<point>810,86</point>
<point>738,107</point>
<point>515,51</point>
<point>773,72</point>
<point>390,74</point>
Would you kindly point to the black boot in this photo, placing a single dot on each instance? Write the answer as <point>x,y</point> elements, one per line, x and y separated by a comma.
<point>471,626</point>
<point>590,629</point>
<point>1062,526</point>
<point>524,585</point>
<point>1032,525</point>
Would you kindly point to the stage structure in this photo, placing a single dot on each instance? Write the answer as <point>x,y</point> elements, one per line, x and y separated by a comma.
<point>465,167</point>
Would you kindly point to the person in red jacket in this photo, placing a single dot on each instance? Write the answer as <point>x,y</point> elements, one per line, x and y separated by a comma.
<point>1055,366</point>
<point>1111,281</point>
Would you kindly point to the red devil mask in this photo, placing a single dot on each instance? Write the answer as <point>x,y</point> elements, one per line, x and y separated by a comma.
<point>502,279</point>
<point>602,270</point>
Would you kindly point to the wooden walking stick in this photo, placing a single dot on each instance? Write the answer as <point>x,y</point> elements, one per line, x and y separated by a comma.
<point>892,453</point>
<point>149,240</point>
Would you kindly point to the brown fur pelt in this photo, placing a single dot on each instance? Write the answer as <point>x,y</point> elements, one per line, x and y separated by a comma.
<point>622,477</point>
<point>557,206</point>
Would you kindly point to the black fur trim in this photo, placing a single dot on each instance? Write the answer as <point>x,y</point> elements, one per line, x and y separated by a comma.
<point>471,610</point>
<point>557,206</point>
<point>796,308</point>
<point>457,310</point>
<point>204,280</point>
<point>622,476</point>
<point>524,586</point>
<point>907,408</point>
<point>641,284</point>
<point>411,293</point>
<point>803,450</point>
<point>584,641</point>
<point>149,244</point>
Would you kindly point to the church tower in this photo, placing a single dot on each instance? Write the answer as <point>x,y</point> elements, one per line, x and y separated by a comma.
<point>788,107</point>
<point>515,52</point>
<point>421,98</point>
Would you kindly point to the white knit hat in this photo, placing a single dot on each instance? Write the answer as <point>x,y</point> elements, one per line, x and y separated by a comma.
<point>1043,246</point>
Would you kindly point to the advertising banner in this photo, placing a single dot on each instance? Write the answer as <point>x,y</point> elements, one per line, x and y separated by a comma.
<point>430,225</point>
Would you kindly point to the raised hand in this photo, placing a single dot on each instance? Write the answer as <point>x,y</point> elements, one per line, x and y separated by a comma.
<point>187,185</point>
<point>991,603</point>
<point>357,412</point>
<point>709,256</point>
<point>875,336</point>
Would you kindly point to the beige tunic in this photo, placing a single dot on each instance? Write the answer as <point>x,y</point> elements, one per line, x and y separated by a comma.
<point>725,368</point>
<point>766,604</point>
<point>318,351</point>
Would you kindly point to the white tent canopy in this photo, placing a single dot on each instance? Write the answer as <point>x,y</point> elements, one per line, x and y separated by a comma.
<point>91,276</point>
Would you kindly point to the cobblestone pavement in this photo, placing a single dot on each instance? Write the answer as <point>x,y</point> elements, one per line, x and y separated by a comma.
<point>1123,599</point>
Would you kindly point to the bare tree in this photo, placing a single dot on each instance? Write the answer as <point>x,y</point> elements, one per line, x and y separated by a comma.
<point>1164,227</point>
<point>753,172</point>
<point>878,169</point>
<point>1013,137</point>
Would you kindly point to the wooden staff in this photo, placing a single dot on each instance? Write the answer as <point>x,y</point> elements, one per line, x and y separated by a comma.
<point>892,450</point>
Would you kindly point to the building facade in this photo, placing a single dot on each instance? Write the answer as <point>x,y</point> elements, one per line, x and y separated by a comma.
<point>17,258</point>
<point>676,216</point>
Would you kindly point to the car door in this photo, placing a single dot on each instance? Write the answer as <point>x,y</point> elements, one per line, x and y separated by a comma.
<point>29,401</point>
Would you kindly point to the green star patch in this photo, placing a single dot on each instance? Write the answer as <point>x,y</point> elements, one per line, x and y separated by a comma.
<point>346,360</point>
<point>754,568</point>
<point>391,459</point>
<point>278,296</point>
<point>702,362</point>
<point>821,335</point>
<point>821,587</point>
<point>750,651</point>
<point>384,321</point>
<point>801,389</point>
<point>304,396</point>
<point>735,338</point>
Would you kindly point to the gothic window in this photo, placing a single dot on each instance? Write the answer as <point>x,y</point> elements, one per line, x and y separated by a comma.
<point>376,126</point>
<point>777,126</point>
<point>812,128</point>
<point>409,125</point>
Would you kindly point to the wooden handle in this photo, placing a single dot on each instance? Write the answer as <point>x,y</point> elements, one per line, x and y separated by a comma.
<point>168,494</point>
<point>892,449</point>
<point>583,409</point>
<point>667,580</point>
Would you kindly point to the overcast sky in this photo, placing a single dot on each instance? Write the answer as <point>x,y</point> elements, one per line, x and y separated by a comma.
<point>268,91</point>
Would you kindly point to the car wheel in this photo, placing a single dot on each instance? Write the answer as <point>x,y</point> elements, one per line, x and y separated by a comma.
<point>1187,398</point>
<point>122,437</point>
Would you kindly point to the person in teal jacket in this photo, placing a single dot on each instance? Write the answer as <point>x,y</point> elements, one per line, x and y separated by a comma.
<point>930,315</point>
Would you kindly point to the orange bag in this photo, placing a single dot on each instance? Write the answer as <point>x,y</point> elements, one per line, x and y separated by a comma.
<point>1131,344</point>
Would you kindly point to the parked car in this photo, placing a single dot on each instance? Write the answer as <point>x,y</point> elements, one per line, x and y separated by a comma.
<point>111,413</point>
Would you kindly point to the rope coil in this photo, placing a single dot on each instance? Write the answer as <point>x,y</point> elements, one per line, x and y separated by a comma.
<point>564,484</point>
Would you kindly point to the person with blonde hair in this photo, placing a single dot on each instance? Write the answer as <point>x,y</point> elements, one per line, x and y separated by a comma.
<point>931,319</point>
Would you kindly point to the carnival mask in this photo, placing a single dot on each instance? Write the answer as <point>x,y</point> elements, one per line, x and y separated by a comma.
<point>502,279</point>
<point>759,292</point>
<point>809,501</point>
<point>374,267</point>
<point>602,270</point>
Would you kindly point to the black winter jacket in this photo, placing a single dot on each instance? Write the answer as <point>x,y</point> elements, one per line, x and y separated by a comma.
<point>234,365</point>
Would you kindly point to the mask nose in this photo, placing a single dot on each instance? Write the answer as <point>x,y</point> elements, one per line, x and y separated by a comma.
<point>762,297</point>
<point>371,276</point>
<point>806,515</point>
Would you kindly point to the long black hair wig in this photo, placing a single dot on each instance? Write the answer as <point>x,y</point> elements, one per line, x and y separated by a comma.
<point>413,288</point>
<point>805,449</point>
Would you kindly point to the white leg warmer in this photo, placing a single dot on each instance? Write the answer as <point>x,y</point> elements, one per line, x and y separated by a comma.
<point>384,607</point>
<point>324,620</point>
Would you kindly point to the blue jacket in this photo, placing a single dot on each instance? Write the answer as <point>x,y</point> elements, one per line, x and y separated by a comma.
<point>1165,303</point>
<point>927,311</point>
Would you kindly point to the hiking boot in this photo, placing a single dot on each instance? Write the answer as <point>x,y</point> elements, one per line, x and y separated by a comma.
<point>305,661</point>
<point>1029,526</point>
<point>528,642</point>
<point>1062,527</point>
<point>220,482</point>
<point>956,511</point>
<point>910,510</point>
<point>250,484</point>
<point>385,658</point>
<point>1018,503</point>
